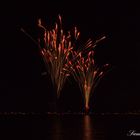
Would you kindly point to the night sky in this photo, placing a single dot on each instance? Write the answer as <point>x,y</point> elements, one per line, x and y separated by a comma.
<point>22,85</point>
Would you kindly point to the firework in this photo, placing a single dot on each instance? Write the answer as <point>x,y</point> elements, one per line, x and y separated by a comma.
<point>61,58</point>
<point>56,49</point>
<point>85,70</point>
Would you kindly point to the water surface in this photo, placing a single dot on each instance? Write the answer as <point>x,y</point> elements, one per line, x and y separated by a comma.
<point>69,127</point>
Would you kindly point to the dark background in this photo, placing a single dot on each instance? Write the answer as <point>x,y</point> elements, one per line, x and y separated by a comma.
<point>22,86</point>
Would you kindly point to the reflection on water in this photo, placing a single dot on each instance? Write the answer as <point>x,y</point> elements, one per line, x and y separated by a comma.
<point>69,127</point>
<point>72,128</point>
<point>84,127</point>
<point>92,130</point>
<point>87,128</point>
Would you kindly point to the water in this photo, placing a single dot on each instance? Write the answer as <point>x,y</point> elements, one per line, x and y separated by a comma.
<point>69,127</point>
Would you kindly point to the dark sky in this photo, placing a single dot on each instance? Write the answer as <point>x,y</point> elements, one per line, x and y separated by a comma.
<point>23,88</point>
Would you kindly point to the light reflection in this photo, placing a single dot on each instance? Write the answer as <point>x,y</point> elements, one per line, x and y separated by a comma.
<point>57,130</point>
<point>87,128</point>
<point>69,127</point>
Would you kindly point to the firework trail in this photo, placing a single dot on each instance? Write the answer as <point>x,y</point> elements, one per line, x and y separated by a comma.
<point>85,71</point>
<point>56,49</point>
